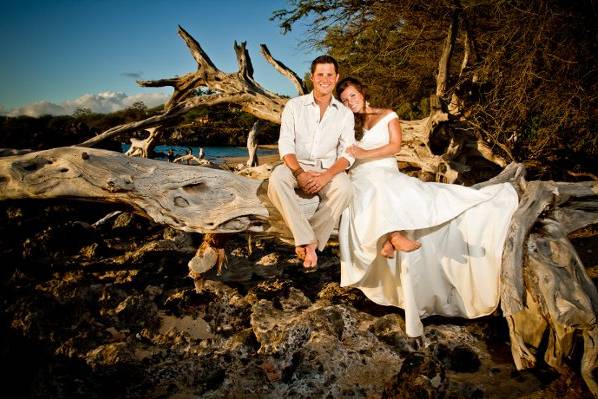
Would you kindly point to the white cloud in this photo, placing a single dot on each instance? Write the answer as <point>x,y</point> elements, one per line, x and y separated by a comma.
<point>105,102</point>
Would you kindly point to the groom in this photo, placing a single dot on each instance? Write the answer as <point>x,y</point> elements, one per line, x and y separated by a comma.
<point>315,131</point>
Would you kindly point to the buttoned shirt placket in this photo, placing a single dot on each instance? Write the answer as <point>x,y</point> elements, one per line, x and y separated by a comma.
<point>317,128</point>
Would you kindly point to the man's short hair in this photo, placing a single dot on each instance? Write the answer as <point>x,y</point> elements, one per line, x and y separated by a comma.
<point>324,59</point>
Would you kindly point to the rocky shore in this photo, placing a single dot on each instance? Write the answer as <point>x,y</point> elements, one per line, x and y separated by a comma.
<point>106,310</point>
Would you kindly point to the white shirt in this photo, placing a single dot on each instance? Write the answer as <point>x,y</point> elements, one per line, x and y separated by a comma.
<point>313,140</point>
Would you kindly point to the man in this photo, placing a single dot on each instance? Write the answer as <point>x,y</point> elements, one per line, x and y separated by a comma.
<point>316,129</point>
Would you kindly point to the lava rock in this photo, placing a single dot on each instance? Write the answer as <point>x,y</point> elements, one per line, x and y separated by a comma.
<point>421,376</point>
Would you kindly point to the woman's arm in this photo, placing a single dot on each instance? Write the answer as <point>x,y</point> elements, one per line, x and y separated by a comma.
<point>393,147</point>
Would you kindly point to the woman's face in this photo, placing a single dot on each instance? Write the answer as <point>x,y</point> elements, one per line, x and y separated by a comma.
<point>353,99</point>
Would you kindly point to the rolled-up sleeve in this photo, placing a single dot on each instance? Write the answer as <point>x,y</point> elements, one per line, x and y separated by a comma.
<point>286,140</point>
<point>347,138</point>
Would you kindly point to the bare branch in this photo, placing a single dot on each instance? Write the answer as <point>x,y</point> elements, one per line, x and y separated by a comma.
<point>284,70</point>
<point>197,52</point>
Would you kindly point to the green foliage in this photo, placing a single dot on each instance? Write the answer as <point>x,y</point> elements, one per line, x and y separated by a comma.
<point>81,112</point>
<point>530,83</point>
<point>40,133</point>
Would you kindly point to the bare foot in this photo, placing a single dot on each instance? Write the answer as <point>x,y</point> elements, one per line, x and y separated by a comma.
<point>311,258</point>
<point>300,252</point>
<point>402,243</point>
<point>388,251</point>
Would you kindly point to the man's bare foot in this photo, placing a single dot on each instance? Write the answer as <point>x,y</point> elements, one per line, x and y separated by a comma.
<point>300,252</point>
<point>388,251</point>
<point>311,258</point>
<point>402,243</point>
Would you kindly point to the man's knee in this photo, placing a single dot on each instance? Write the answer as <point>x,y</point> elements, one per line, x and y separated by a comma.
<point>340,192</point>
<point>342,186</point>
<point>279,178</point>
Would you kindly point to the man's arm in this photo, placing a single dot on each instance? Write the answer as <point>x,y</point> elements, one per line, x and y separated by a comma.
<point>303,178</point>
<point>347,138</point>
<point>344,160</point>
<point>286,139</point>
<point>290,160</point>
<point>286,147</point>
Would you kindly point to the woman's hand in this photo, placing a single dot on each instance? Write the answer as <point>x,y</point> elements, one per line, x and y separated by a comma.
<point>357,152</point>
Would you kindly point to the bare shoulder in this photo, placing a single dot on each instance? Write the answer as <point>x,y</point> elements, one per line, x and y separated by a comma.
<point>384,112</point>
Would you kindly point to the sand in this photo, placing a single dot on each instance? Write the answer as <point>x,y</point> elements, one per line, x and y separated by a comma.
<point>262,159</point>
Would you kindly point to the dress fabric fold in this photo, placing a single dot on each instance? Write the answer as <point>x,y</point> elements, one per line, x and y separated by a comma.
<point>462,230</point>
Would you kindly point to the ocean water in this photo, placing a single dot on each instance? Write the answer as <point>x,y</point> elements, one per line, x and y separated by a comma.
<point>212,153</point>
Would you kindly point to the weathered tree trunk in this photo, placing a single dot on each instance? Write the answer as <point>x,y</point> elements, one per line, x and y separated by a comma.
<point>237,88</point>
<point>188,198</point>
<point>444,62</point>
<point>252,144</point>
<point>142,148</point>
<point>545,289</point>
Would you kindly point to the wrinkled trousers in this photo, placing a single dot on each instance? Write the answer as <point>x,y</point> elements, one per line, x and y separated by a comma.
<point>334,198</point>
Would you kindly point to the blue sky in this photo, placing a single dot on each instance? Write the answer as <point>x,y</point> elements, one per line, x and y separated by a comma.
<point>68,53</point>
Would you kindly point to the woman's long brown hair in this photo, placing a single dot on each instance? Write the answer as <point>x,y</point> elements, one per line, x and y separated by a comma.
<point>359,117</point>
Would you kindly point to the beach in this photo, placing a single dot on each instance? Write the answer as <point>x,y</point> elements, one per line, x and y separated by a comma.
<point>262,159</point>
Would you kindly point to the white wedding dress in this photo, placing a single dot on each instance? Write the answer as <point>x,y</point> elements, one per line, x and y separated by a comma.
<point>456,272</point>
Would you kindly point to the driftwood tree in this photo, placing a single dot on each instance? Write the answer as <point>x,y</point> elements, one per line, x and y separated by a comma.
<point>241,88</point>
<point>545,289</point>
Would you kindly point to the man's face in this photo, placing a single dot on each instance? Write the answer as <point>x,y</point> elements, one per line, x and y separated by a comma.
<point>324,79</point>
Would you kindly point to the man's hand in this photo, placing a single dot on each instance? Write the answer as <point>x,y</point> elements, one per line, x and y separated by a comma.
<point>316,182</point>
<point>320,181</point>
<point>357,152</point>
<point>313,182</point>
<point>304,180</point>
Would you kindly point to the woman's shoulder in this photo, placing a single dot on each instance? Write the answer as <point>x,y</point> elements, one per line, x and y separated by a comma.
<point>388,113</point>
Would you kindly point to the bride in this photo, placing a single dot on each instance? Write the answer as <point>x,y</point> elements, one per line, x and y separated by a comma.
<point>429,248</point>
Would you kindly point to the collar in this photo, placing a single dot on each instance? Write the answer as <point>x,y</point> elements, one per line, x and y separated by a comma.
<point>309,99</point>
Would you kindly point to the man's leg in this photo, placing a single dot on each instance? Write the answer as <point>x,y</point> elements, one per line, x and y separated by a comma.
<point>334,198</point>
<point>281,191</point>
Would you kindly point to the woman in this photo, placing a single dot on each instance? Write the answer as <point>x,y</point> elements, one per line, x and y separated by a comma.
<point>430,248</point>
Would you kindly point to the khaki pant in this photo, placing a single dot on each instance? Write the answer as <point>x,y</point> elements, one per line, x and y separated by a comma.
<point>334,198</point>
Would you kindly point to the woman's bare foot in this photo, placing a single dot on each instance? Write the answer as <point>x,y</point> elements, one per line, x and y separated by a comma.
<point>388,251</point>
<point>311,258</point>
<point>402,243</point>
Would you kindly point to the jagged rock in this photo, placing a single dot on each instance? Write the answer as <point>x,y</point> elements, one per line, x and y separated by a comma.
<point>268,260</point>
<point>320,350</point>
<point>270,289</point>
<point>109,355</point>
<point>138,310</point>
<point>314,338</point>
<point>182,238</point>
<point>122,221</point>
<point>334,293</point>
<point>421,376</point>
<point>460,358</point>
<point>231,309</point>
<point>464,359</point>
<point>390,329</point>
